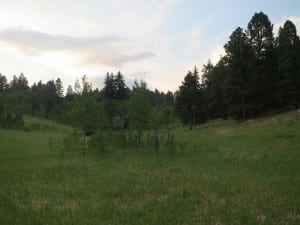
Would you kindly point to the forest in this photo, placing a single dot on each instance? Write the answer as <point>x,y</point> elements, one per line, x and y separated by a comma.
<point>258,75</point>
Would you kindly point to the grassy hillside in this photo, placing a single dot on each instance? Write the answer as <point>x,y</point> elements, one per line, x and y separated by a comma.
<point>229,173</point>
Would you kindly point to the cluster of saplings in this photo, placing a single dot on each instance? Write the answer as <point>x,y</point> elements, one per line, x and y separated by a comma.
<point>104,141</point>
<point>259,74</point>
<point>127,113</point>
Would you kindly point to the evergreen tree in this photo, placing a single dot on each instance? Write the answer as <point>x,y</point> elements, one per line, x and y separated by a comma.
<point>120,90</point>
<point>19,83</point>
<point>109,89</point>
<point>3,83</point>
<point>34,99</point>
<point>263,78</point>
<point>70,91</point>
<point>288,60</point>
<point>239,58</point>
<point>189,103</point>
<point>213,83</point>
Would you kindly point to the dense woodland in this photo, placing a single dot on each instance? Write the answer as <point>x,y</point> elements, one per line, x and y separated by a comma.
<point>259,74</point>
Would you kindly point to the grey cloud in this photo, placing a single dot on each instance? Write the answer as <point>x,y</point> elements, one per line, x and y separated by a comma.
<point>134,57</point>
<point>108,50</point>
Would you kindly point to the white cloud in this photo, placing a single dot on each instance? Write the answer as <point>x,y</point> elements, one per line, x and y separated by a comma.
<point>106,50</point>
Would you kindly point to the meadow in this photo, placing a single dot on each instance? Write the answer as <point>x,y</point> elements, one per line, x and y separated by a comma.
<point>227,173</point>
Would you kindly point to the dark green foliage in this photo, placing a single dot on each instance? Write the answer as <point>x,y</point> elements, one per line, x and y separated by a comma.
<point>288,89</point>
<point>160,99</point>
<point>87,114</point>
<point>121,91</point>
<point>19,83</point>
<point>263,70</point>
<point>46,99</point>
<point>97,142</point>
<point>72,142</point>
<point>139,108</point>
<point>239,61</point>
<point>255,77</point>
<point>116,111</point>
<point>11,114</point>
<point>214,83</point>
<point>114,87</point>
<point>189,103</point>
<point>50,98</point>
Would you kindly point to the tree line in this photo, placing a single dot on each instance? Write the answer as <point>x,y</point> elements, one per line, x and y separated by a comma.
<point>259,74</point>
<point>115,106</point>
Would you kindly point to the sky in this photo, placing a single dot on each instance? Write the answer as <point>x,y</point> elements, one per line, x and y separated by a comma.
<point>154,40</point>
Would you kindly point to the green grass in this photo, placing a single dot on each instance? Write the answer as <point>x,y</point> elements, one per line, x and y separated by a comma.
<point>230,173</point>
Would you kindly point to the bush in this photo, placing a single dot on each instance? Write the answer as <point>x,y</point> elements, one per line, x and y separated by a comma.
<point>71,142</point>
<point>97,142</point>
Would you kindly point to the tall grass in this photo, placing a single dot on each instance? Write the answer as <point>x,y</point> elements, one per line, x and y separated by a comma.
<point>229,173</point>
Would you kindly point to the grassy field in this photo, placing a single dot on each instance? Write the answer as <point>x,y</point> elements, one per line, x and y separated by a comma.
<point>229,173</point>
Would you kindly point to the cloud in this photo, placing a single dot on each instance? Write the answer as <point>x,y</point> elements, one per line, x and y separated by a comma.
<point>111,50</point>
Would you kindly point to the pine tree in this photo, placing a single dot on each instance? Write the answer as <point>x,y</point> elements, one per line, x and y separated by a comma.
<point>288,60</point>
<point>239,58</point>
<point>3,83</point>
<point>108,90</point>
<point>263,77</point>
<point>189,103</point>
<point>213,83</point>
<point>120,90</point>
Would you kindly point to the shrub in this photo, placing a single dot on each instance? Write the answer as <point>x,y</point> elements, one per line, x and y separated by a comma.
<point>97,142</point>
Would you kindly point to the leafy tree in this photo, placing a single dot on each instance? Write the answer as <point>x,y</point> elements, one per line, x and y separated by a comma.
<point>77,87</point>
<point>116,112</point>
<point>139,110</point>
<point>87,115</point>
<point>86,85</point>
<point>11,115</point>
